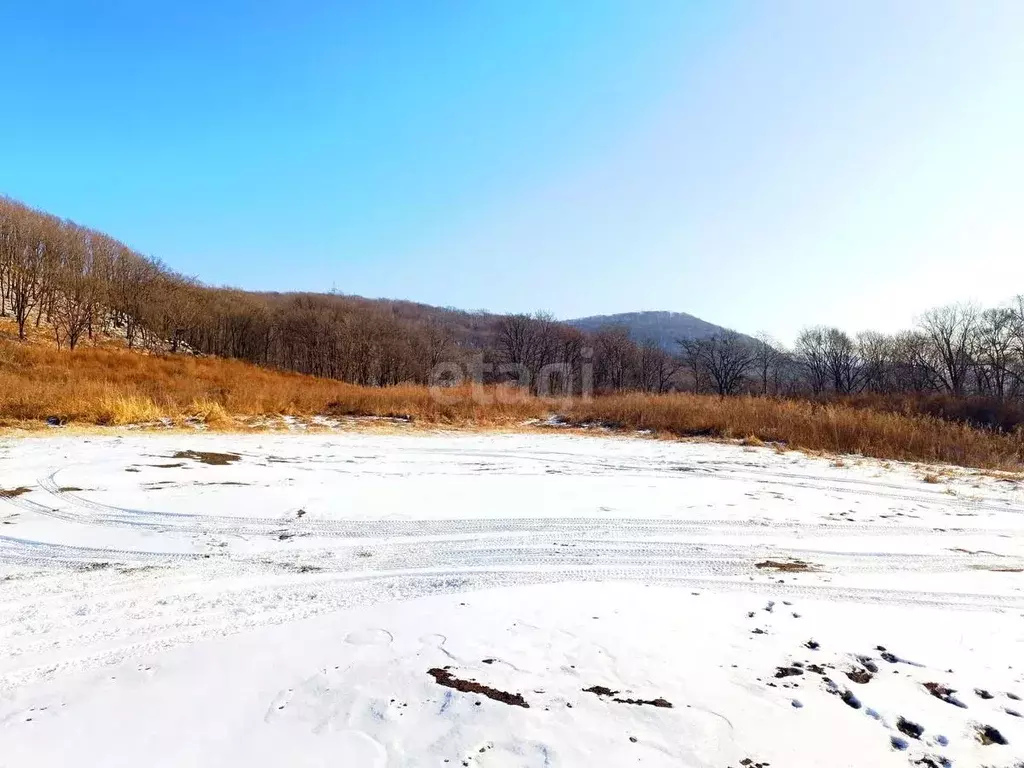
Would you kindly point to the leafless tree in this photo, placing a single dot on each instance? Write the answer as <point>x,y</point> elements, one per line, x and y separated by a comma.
<point>811,356</point>
<point>996,354</point>
<point>728,358</point>
<point>877,355</point>
<point>655,368</point>
<point>768,361</point>
<point>951,335</point>
<point>842,362</point>
<point>616,358</point>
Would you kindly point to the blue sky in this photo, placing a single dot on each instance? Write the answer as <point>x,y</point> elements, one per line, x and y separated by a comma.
<point>763,165</point>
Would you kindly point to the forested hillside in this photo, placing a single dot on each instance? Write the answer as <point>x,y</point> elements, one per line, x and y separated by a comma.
<point>76,283</point>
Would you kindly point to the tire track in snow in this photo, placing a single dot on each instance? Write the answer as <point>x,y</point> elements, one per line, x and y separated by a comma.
<point>69,606</point>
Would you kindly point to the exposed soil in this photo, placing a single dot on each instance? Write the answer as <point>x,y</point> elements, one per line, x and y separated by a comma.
<point>792,566</point>
<point>448,680</point>
<point>989,735</point>
<point>933,761</point>
<point>941,692</point>
<point>911,729</point>
<point>600,690</point>
<point>207,457</point>
<point>787,672</point>
<point>11,493</point>
<point>659,702</point>
<point>869,664</point>
<point>859,675</point>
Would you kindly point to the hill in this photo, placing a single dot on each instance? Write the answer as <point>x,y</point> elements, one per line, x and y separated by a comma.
<point>665,328</point>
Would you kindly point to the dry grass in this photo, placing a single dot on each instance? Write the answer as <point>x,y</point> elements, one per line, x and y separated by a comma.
<point>833,428</point>
<point>114,386</point>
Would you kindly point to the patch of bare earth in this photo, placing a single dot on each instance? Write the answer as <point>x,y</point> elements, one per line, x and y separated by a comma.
<point>600,690</point>
<point>790,566</point>
<point>207,457</point>
<point>448,680</point>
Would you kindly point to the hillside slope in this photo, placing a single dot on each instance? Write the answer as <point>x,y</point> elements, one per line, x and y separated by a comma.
<point>665,328</point>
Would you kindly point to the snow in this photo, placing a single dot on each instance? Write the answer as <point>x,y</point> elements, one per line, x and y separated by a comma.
<point>287,607</point>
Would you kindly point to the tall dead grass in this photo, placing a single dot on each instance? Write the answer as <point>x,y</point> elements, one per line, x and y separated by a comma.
<point>112,387</point>
<point>834,428</point>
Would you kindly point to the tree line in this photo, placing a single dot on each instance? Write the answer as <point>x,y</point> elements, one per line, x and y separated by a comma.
<point>957,350</point>
<point>76,282</point>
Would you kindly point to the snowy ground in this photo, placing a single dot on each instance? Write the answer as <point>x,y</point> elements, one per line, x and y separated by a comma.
<point>501,600</point>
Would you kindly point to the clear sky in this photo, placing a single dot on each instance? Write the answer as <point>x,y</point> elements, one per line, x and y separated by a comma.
<point>763,165</point>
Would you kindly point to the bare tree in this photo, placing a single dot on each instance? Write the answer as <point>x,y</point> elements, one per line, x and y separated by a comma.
<point>728,359</point>
<point>841,362</point>
<point>616,357</point>
<point>692,356</point>
<point>811,356</point>
<point>655,367</point>
<point>768,362</point>
<point>877,353</point>
<point>951,335</point>
<point>26,260</point>
<point>74,284</point>
<point>996,355</point>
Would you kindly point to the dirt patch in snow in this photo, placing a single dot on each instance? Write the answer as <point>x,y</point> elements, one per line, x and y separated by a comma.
<point>943,693</point>
<point>859,675</point>
<point>909,728</point>
<point>792,566</point>
<point>988,735</point>
<point>12,492</point>
<point>448,680</point>
<point>208,457</point>
<point>781,672</point>
<point>600,690</point>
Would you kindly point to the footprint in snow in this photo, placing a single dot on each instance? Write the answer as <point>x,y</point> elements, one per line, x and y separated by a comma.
<point>370,637</point>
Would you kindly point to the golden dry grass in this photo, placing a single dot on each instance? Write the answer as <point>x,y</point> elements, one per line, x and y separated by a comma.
<point>813,426</point>
<point>116,387</point>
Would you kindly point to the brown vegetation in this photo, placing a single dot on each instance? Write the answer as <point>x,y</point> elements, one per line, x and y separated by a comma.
<point>833,427</point>
<point>112,387</point>
<point>112,315</point>
<point>117,386</point>
<point>77,286</point>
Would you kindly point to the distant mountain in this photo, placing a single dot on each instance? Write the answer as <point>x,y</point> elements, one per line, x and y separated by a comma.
<point>665,328</point>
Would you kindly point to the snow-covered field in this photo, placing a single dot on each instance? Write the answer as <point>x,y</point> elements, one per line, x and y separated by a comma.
<point>501,600</point>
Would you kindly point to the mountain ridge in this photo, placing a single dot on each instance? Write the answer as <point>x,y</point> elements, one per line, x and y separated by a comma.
<point>660,326</point>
